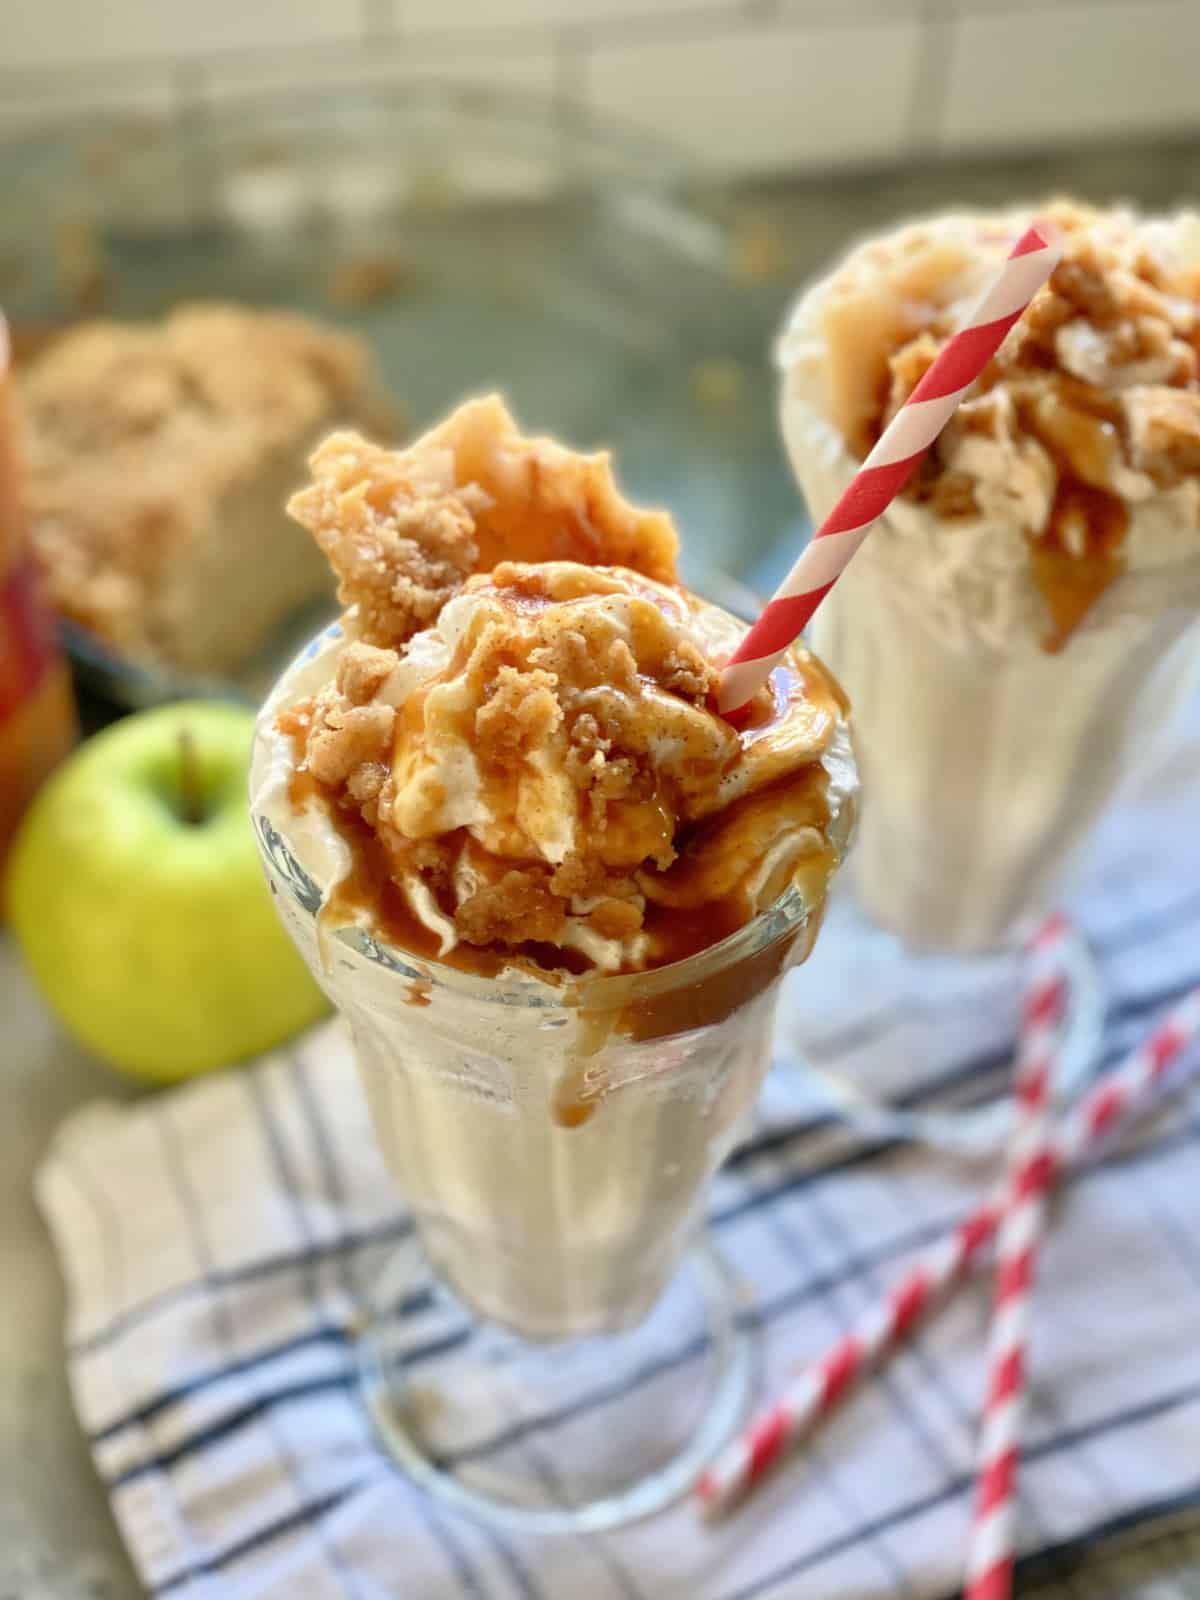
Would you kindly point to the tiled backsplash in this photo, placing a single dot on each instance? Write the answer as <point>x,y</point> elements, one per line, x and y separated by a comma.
<point>753,86</point>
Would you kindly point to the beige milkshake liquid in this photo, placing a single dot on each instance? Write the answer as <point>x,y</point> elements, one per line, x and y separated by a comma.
<point>1019,630</point>
<point>557,891</point>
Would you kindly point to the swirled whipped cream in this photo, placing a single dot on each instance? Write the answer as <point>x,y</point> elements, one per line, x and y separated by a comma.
<point>1065,490</point>
<point>523,762</point>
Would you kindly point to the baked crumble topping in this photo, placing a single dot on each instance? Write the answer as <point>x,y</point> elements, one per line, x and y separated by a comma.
<point>402,530</point>
<point>396,532</point>
<point>534,770</point>
<point>135,434</point>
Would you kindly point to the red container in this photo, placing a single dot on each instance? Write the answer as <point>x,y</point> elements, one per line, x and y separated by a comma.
<point>37,712</point>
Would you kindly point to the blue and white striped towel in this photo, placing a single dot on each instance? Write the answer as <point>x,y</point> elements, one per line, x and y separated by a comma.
<point>214,1241</point>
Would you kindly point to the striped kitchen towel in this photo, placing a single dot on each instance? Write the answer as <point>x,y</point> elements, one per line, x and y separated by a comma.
<point>217,1241</point>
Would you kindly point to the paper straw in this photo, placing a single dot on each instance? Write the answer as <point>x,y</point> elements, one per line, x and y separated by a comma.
<point>1122,1094</point>
<point>888,468</point>
<point>990,1552</point>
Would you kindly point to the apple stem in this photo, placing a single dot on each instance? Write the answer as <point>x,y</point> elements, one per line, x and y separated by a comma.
<point>191,797</point>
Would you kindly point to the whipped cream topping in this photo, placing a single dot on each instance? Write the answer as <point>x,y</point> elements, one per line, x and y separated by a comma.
<point>441,787</point>
<point>437,770</point>
<point>1065,493</point>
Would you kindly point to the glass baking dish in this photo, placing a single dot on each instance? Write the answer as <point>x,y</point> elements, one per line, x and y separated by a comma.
<point>477,239</point>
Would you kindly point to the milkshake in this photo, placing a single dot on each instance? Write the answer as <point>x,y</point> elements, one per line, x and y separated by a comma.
<point>551,891</point>
<point>1019,630</point>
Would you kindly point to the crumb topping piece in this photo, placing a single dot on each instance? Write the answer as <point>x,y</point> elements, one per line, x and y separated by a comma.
<point>349,731</point>
<point>396,529</point>
<point>403,529</point>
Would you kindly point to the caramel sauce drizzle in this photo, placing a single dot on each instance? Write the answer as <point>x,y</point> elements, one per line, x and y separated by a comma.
<point>370,893</point>
<point>1072,583</point>
<point>1081,549</point>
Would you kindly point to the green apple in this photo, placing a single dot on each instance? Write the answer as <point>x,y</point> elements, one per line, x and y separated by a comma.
<point>135,892</point>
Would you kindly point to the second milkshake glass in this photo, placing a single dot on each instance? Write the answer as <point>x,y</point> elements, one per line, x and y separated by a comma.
<point>986,758</point>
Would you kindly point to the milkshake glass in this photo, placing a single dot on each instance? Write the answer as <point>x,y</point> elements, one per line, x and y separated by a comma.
<point>555,1157</point>
<point>1019,632</point>
<point>553,895</point>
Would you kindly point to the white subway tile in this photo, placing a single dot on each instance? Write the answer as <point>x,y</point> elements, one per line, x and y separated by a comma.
<point>518,71</point>
<point>50,32</point>
<point>1072,71</point>
<point>996,7</point>
<point>768,99</point>
<point>419,14</point>
<point>847,12</point>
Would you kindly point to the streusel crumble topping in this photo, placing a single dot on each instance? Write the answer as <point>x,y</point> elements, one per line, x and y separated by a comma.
<point>530,747</point>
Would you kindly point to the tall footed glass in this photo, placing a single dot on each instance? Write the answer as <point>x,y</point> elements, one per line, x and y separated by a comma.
<point>553,1144</point>
<point>1017,635</point>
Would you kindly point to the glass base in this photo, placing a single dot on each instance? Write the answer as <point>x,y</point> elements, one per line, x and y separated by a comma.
<point>576,1437</point>
<point>910,1045</point>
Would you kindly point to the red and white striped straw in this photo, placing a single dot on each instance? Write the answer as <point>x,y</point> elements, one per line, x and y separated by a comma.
<point>809,1398</point>
<point>888,468</point>
<point>1120,1096</point>
<point>991,1550</point>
